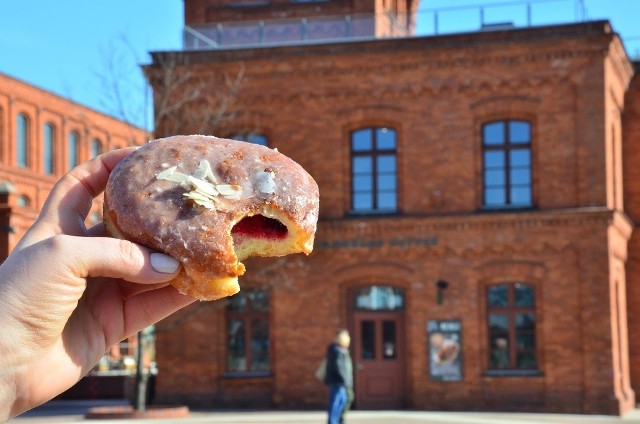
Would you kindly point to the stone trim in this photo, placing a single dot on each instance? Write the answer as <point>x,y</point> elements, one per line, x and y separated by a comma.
<point>371,225</point>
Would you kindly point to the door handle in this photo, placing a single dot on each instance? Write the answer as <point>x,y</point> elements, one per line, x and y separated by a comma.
<point>359,366</point>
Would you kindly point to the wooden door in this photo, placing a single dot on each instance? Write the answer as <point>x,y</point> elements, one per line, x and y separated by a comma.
<point>379,359</point>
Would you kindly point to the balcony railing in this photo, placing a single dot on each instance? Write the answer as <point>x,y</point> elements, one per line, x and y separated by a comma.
<point>448,20</point>
<point>295,30</point>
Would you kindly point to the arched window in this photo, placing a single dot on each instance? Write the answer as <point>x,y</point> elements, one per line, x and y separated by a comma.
<point>23,201</point>
<point>96,147</point>
<point>251,137</point>
<point>374,170</point>
<point>507,163</point>
<point>511,321</point>
<point>48,148</point>
<point>22,141</point>
<point>379,298</point>
<point>72,147</point>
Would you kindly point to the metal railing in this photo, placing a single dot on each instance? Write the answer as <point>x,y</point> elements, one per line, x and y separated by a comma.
<point>507,14</point>
<point>295,30</point>
<point>499,15</point>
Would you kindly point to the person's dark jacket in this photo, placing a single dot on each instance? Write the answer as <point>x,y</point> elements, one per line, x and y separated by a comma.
<point>339,367</point>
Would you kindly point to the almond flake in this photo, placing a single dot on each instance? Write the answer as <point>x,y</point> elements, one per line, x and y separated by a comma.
<point>164,174</point>
<point>194,195</point>
<point>204,172</point>
<point>203,187</point>
<point>228,189</point>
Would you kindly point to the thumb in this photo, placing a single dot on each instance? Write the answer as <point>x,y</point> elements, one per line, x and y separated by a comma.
<point>114,258</point>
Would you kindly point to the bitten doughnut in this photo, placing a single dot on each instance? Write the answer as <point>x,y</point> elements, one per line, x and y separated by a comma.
<point>210,203</point>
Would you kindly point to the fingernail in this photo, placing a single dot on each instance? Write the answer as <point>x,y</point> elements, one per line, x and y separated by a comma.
<point>163,263</point>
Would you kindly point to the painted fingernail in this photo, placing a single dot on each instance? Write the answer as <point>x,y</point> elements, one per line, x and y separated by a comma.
<point>163,263</point>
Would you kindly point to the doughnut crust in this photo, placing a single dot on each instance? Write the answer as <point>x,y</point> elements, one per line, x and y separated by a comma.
<point>210,203</point>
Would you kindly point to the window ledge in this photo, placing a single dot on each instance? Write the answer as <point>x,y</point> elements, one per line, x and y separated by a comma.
<point>253,374</point>
<point>502,208</point>
<point>513,373</point>
<point>374,213</point>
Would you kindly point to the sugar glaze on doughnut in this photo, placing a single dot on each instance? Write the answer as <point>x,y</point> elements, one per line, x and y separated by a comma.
<point>262,204</point>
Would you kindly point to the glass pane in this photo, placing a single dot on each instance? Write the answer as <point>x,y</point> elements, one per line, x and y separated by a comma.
<point>22,148</point>
<point>385,139</point>
<point>368,337</point>
<point>520,176</point>
<point>362,201</point>
<point>387,182</point>
<point>520,157</point>
<point>388,340</point>
<point>237,302</point>
<point>257,139</point>
<point>259,300</point>
<point>498,295</point>
<point>493,134</point>
<point>96,147</point>
<point>48,148</point>
<point>379,298</point>
<point>387,201</point>
<point>363,183</point>
<point>495,196</point>
<point>526,321</point>
<point>499,353</point>
<point>386,163</point>
<point>23,201</point>
<point>362,165</point>
<point>525,295</point>
<point>521,195</point>
<point>236,354</point>
<point>519,132</point>
<point>526,360</point>
<point>250,138</point>
<point>525,341</point>
<point>499,341</point>
<point>259,345</point>
<point>73,150</point>
<point>494,159</point>
<point>362,140</point>
<point>494,177</point>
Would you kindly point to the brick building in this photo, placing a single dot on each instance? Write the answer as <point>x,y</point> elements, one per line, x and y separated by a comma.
<point>478,194</point>
<point>42,136</point>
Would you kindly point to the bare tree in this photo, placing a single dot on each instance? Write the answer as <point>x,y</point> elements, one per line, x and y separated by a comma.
<point>188,102</point>
<point>183,103</point>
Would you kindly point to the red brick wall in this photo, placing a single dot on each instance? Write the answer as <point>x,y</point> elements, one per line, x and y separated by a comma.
<point>436,92</point>
<point>40,107</point>
<point>631,158</point>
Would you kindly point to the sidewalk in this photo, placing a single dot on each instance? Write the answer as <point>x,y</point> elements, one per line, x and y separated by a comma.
<point>73,412</point>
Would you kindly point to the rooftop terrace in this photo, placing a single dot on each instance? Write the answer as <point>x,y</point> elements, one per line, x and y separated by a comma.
<point>508,14</point>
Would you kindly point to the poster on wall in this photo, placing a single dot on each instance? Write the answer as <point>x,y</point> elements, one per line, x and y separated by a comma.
<point>445,350</point>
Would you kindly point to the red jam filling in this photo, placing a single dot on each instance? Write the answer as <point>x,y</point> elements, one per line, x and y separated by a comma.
<point>258,226</point>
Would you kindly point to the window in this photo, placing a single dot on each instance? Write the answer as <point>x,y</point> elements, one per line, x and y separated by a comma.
<point>507,163</point>
<point>22,141</point>
<point>251,137</point>
<point>248,332</point>
<point>96,147</point>
<point>379,298</point>
<point>512,327</point>
<point>374,170</point>
<point>23,201</point>
<point>49,148</point>
<point>73,149</point>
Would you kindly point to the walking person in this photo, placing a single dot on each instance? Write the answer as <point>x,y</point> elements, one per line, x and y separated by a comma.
<point>339,377</point>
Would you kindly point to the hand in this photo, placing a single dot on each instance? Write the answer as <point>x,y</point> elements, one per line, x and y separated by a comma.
<point>67,293</point>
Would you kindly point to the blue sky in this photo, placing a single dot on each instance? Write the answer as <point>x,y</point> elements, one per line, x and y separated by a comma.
<point>65,46</point>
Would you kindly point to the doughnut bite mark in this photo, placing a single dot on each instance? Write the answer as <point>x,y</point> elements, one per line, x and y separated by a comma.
<point>211,203</point>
